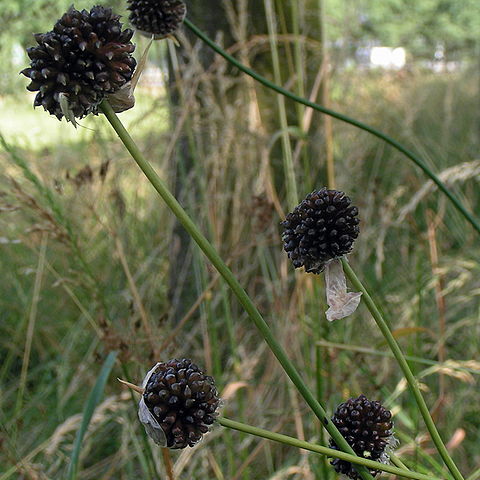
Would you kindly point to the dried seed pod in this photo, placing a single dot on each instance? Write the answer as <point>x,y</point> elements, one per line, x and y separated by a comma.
<point>157,18</point>
<point>367,427</point>
<point>179,404</point>
<point>322,227</point>
<point>84,58</point>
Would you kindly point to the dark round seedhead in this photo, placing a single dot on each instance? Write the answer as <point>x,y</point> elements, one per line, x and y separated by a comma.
<point>84,58</point>
<point>183,400</point>
<point>367,427</point>
<point>159,18</point>
<point>322,227</point>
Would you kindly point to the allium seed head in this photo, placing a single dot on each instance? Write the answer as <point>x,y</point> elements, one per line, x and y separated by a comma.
<point>84,58</point>
<point>183,402</point>
<point>367,427</point>
<point>159,18</point>
<point>322,227</point>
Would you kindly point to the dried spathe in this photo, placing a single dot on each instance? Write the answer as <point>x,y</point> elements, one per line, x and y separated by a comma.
<point>341,302</point>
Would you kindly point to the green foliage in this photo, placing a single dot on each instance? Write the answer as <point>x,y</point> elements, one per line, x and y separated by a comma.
<point>111,247</point>
<point>90,406</point>
<point>394,259</point>
<point>419,26</point>
<point>423,25</point>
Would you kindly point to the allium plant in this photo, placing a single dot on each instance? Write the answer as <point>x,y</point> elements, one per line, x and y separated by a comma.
<point>157,18</point>
<point>179,403</point>
<point>368,429</point>
<point>75,67</point>
<point>321,228</point>
<point>86,57</point>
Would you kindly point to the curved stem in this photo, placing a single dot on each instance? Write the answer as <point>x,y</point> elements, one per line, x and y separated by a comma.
<point>330,452</point>
<point>396,461</point>
<point>344,118</point>
<point>412,381</point>
<point>228,276</point>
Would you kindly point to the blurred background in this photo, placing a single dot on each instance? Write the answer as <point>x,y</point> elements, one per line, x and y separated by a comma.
<point>91,261</point>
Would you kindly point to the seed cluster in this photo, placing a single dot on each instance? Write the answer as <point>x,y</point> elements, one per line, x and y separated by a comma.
<point>159,18</point>
<point>367,427</point>
<point>85,57</point>
<point>183,400</point>
<point>322,227</point>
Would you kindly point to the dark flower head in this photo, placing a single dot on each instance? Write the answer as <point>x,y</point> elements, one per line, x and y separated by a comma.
<point>183,402</point>
<point>84,58</point>
<point>367,427</point>
<point>159,18</point>
<point>322,227</point>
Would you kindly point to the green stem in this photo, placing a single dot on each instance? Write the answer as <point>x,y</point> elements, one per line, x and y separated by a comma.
<point>152,470</point>
<point>410,358</point>
<point>412,381</point>
<point>396,461</point>
<point>474,475</point>
<point>320,396</point>
<point>288,167</point>
<point>417,160</point>
<point>330,452</point>
<point>407,440</point>
<point>228,276</point>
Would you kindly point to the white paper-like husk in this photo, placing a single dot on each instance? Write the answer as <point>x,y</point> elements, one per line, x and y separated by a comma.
<point>341,303</point>
<point>152,427</point>
<point>124,98</point>
<point>65,108</point>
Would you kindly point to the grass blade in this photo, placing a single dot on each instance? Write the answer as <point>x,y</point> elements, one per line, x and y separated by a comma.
<point>92,402</point>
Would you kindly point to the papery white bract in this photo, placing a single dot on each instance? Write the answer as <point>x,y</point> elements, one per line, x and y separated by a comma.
<point>152,427</point>
<point>341,303</point>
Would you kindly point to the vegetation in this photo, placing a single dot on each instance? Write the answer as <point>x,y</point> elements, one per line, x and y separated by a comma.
<point>88,250</point>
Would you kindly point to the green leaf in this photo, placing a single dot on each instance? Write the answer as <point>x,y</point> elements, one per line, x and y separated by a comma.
<point>92,402</point>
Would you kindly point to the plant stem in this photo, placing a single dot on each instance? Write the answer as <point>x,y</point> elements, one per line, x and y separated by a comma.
<point>396,461</point>
<point>320,396</point>
<point>412,381</point>
<point>327,126</point>
<point>330,452</point>
<point>267,83</point>
<point>419,452</point>
<point>410,358</point>
<point>152,470</point>
<point>288,167</point>
<point>475,475</point>
<point>228,276</point>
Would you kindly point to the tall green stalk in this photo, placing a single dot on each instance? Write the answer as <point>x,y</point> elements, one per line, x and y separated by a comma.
<point>412,381</point>
<point>294,442</point>
<point>228,276</point>
<point>344,118</point>
<point>289,171</point>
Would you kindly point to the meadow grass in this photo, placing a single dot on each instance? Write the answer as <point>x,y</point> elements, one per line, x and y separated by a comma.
<point>87,263</point>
